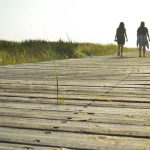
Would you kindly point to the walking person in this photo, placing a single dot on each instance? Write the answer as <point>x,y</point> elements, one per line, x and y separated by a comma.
<point>142,41</point>
<point>120,38</point>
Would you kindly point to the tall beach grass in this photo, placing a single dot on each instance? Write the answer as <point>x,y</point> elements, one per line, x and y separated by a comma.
<point>39,50</point>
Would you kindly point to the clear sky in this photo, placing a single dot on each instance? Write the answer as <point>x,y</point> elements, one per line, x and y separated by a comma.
<point>79,20</point>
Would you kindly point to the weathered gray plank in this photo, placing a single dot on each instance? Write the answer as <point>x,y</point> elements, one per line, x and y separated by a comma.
<point>78,116</point>
<point>80,127</point>
<point>72,140</point>
<point>100,102</point>
<point>15,146</point>
<point>88,109</point>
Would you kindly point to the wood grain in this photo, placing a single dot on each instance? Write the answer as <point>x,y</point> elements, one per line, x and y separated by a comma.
<point>104,104</point>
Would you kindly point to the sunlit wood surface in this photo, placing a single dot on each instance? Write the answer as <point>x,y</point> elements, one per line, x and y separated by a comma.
<point>104,104</point>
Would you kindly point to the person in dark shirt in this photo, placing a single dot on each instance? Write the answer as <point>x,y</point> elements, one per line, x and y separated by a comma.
<point>120,38</point>
<point>142,41</point>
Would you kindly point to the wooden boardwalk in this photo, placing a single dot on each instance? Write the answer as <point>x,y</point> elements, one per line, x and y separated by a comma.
<point>104,104</point>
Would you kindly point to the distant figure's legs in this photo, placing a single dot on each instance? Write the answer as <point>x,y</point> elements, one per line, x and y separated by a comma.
<point>121,51</point>
<point>144,49</point>
<point>118,49</point>
<point>140,49</point>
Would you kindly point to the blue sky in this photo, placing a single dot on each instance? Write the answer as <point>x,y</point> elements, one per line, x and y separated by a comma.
<point>80,20</point>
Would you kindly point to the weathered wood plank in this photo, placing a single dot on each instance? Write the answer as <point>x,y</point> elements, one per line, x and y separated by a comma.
<point>71,108</point>
<point>77,116</point>
<point>76,96</point>
<point>100,102</point>
<point>80,127</point>
<point>72,140</point>
<point>17,146</point>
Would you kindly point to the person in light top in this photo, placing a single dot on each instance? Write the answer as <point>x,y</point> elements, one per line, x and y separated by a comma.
<point>142,41</point>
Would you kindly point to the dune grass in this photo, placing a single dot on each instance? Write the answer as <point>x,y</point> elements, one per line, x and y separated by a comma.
<point>39,50</point>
